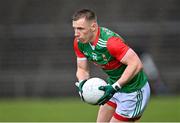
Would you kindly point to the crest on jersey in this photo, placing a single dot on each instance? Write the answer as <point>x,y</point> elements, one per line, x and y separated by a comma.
<point>104,57</point>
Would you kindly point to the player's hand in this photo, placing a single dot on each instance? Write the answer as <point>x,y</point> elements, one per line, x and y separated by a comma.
<point>79,85</point>
<point>109,90</point>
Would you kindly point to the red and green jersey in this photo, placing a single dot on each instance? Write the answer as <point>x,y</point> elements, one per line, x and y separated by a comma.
<point>106,52</point>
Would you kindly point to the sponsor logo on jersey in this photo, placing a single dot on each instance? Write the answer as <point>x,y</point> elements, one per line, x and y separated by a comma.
<point>94,56</point>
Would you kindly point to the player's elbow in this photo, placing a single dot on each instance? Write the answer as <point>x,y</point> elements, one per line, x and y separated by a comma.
<point>81,75</point>
<point>139,66</point>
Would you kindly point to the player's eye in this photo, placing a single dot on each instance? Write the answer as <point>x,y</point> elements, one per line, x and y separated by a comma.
<point>80,28</point>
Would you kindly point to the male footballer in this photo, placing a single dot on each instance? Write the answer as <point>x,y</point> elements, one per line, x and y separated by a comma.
<point>128,92</point>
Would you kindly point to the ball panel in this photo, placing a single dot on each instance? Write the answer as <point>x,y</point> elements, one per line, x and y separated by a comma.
<point>91,93</point>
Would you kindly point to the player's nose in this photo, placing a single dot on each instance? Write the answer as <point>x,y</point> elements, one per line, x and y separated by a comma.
<point>76,34</point>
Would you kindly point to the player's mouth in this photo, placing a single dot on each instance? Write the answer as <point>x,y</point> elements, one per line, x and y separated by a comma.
<point>82,40</point>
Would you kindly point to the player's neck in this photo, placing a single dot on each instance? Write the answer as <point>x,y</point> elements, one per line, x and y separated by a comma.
<point>94,36</point>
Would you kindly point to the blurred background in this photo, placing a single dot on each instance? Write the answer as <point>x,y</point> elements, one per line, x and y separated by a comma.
<point>36,44</point>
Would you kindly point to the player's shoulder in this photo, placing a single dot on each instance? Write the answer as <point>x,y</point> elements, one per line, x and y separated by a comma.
<point>75,40</point>
<point>107,33</point>
<point>115,42</point>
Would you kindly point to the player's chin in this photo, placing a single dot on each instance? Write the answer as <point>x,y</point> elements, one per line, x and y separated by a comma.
<point>83,41</point>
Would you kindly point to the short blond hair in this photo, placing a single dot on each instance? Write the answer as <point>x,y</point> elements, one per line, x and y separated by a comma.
<point>84,13</point>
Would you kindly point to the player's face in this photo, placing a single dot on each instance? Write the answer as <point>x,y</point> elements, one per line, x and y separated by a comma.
<point>82,30</point>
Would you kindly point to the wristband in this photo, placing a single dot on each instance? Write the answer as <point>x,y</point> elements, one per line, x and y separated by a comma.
<point>116,86</point>
<point>81,80</point>
<point>77,83</point>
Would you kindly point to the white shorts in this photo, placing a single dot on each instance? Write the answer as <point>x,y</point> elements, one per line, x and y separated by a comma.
<point>130,106</point>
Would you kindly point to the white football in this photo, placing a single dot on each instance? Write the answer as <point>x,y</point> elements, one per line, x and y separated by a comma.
<point>91,93</point>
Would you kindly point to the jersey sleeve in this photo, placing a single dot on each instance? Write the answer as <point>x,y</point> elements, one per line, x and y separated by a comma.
<point>117,47</point>
<point>78,53</point>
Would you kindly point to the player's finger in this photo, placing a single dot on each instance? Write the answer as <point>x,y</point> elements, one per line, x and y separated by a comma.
<point>102,88</point>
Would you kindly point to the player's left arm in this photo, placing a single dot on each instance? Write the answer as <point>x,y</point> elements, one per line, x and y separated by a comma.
<point>134,65</point>
<point>125,55</point>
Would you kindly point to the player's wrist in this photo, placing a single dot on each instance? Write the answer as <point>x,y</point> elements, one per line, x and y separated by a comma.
<point>116,86</point>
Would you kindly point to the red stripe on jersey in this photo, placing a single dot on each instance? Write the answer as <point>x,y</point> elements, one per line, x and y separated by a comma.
<point>117,47</point>
<point>125,119</point>
<point>78,53</point>
<point>111,65</point>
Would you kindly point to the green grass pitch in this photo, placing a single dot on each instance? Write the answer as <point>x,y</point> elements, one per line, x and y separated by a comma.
<point>160,109</point>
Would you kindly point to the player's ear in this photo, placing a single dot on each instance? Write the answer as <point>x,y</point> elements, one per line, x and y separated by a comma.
<point>93,26</point>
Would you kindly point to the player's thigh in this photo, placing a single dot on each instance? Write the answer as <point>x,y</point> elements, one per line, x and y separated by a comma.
<point>105,113</point>
<point>130,106</point>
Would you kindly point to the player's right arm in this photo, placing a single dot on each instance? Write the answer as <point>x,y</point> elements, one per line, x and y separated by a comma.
<point>82,72</point>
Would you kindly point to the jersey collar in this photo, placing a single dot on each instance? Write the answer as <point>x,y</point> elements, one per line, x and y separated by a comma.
<point>97,37</point>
